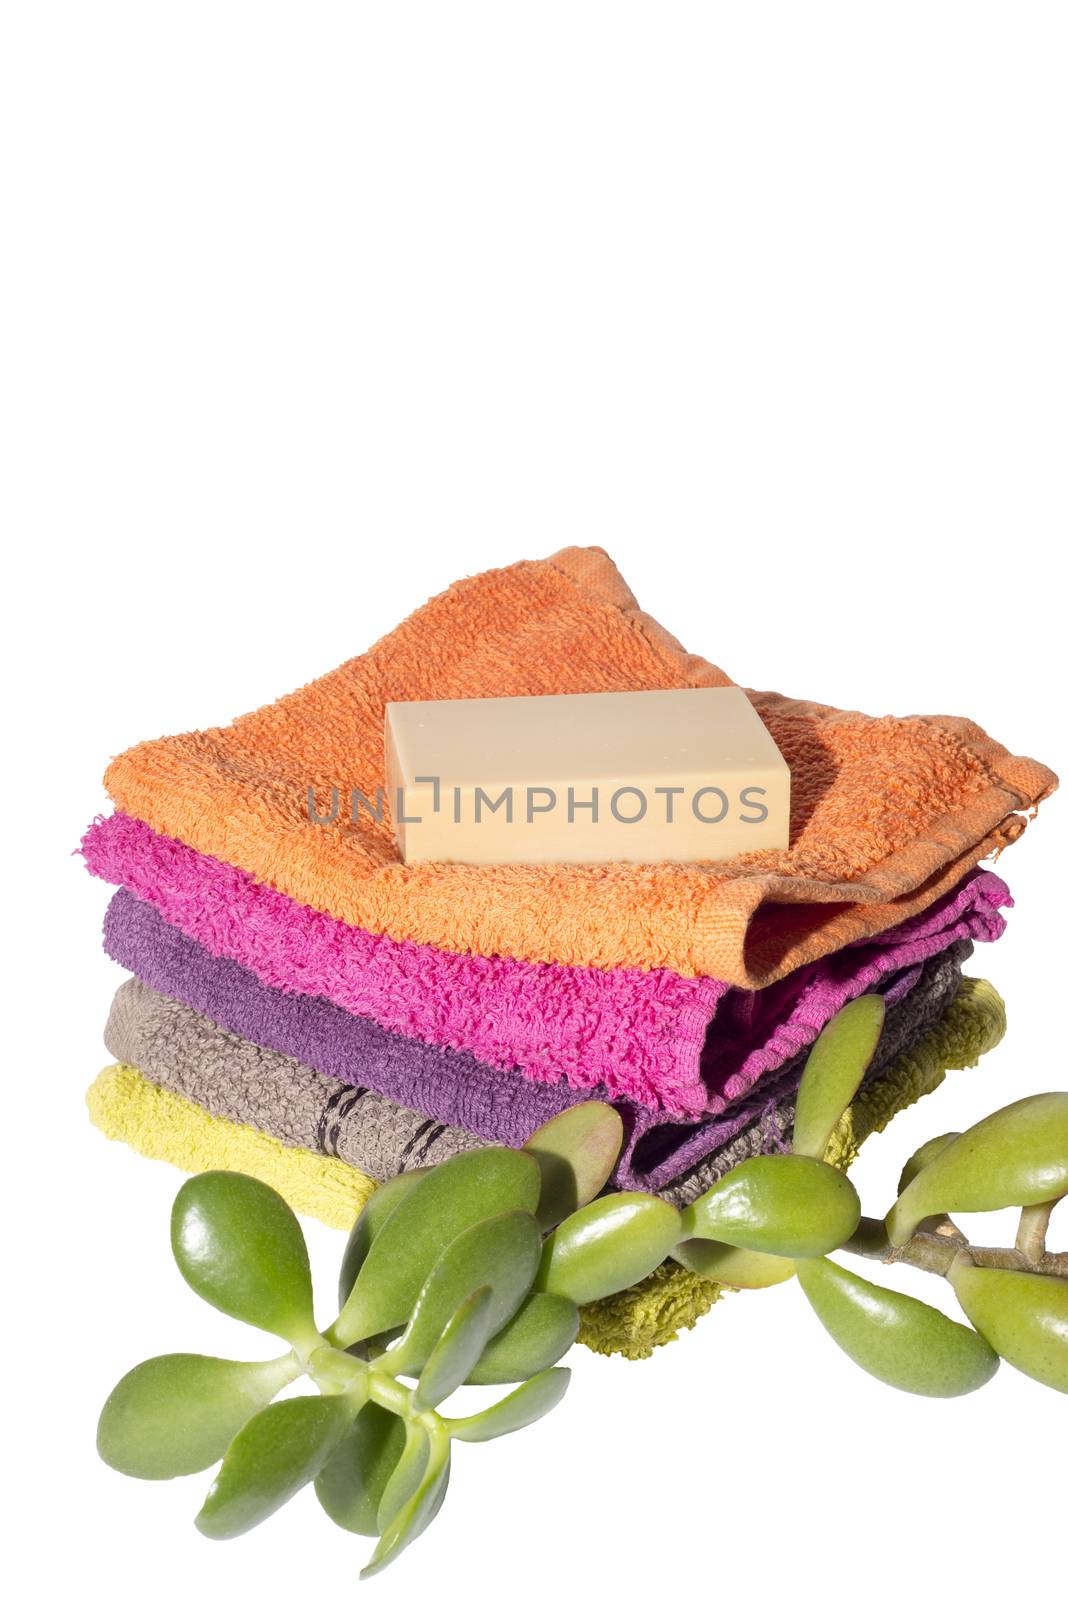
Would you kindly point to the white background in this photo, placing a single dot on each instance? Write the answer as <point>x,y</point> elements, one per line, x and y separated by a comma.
<point>309,310</point>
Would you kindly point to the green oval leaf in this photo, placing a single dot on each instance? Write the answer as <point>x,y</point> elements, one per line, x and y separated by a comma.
<point>274,1456</point>
<point>417,1515</point>
<point>176,1414</point>
<point>462,1341</point>
<point>738,1269</point>
<point>466,1189</point>
<point>502,1252</point>
<point>350,1487</point>
<point>407,1475</point>
<point>897,1339</point>
<point>576,1152</point>
<point>607,1246</point>
<point>785,1205</point>
<point>833,1072</point>
<point>922,1158</point>
<point>1024,1315</point>
<point>1016,1157</point>
<point>528,1403</point>
<point>240,1247</point>
<point>369,1224</point>
<point>542,1330</point>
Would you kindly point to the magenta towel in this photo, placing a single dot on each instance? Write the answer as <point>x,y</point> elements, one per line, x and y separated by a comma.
<point>687,1046</point>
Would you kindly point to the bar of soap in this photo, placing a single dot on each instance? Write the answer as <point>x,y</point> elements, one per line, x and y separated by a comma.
<point>652,775</point>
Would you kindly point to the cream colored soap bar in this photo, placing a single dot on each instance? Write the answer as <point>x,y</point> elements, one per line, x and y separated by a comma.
<point>657,775</point>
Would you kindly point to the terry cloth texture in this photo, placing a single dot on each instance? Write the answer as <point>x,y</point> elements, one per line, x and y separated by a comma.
<point>688,1045</point>
<point>446,1085</point>
<point>763,1123</point>
<point>180,1050</point>
<point>745,1035</point>
<point>637,1321</point>
<point>167,1127</point>
<point>230,1077</point>
<point>888,813</point>
<point>125,1106</point>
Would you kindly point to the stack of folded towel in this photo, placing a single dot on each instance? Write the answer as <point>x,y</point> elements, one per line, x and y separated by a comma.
<point>305,1007</point>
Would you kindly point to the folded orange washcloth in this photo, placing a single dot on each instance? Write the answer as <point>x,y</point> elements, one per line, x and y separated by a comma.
<point>888,813</point>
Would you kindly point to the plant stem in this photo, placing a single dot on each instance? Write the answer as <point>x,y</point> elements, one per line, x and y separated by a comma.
<point>1031,1234</point>
<point>338,1373</point>
<point>870,1240</point>
<point>393,1396</point>
<point>936,1252</point>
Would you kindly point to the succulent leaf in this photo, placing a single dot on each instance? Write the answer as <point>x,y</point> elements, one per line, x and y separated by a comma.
<point>370,1222</point>
<point>238,1244</point>
<point>922,1158</point>
<point>902,1341</point>
<point>407,1475</point>
<point>176,1414</point>
<point>576,1152</point>
<point>415,1517</point>
<point>542,1330</point>
<point>531,1401</point>
<point>833,1072</point>
<point>727,1264</point>
<point>351,1484</point>
<point>786,1205</point>
<point>271,1459</point>
<point>607,1246</point>
<point>466,1189</point>
<point>1024,1315</point>
<point>1016,1157</point>
<point>502,1252</point>
<point>462,1341</point>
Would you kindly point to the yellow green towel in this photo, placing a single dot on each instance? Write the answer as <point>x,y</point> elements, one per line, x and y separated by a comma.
<point>157,1123</point>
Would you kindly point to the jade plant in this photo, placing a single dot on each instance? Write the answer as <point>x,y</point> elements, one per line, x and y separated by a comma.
<point>472,1273</point>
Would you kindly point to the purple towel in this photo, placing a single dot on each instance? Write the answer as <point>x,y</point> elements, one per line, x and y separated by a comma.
<point>687,1046</point>
<point>448,1085</point>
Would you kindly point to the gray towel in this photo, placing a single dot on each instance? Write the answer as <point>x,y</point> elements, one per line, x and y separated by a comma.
<point>180,1050</point>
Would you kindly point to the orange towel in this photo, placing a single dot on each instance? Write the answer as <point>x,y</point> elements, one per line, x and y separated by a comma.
<point>888,813</point>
